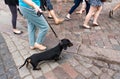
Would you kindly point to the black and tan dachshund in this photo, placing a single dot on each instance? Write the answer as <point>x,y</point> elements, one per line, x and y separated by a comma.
<point>51,54</point>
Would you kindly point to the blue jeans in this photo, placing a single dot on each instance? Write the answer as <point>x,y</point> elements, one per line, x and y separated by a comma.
<point>34,21</point>
<point>76,4</point>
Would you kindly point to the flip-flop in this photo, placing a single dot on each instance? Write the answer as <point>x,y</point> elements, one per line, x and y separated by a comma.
<point>95,24</point>
<point>85,27</point>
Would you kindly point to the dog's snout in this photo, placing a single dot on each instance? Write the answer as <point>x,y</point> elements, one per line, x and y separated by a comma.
<point>71,44</point>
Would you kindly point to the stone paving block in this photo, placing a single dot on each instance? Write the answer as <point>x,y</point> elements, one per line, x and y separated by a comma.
<point>100,64</point>
<point>84,71</point>
<point>50,75</point>
<point>94,77</point>
<point>60,73</point>
<point>105,76</point>
<point>86,51</point>
<point>95,70</point>
<point>114,67</point>
<point>114,41</point>
<point>116,47</point>
<point>9,62</point>
<point>12,73</point>
<point>117,75</point>
<point>19,61</point>
<point>3,77</point>
<point>23,72</point>
<point>26,56</point>
<point>108,71</point>
<point>69,70</point>
<point>87,65</point>
<point>32,52</point>
<point>29,77</point>
<point>36,74</point>
<point>2,69</point>
<point>53,64</point>
<point>73,62</point>
<point>45,68</point>
<point>74,48</point>
<point>107,54</point>
<point>19,47</point>
<point>25,44</point>
<point>16,54</point>
<point>13,49</point>
<point>80,77</point>
<point>24,52</point>
<point>87,62</point>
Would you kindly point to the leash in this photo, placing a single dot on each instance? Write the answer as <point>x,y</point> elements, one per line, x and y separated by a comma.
<point>39,14</point>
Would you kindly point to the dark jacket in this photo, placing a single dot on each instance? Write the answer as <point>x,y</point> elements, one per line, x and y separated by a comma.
<point>11,2</point>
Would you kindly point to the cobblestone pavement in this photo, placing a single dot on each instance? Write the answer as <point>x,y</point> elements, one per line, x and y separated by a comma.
<point>95,54</point>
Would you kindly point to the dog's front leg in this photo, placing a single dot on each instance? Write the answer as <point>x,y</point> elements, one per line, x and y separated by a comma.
<point>57,58</point>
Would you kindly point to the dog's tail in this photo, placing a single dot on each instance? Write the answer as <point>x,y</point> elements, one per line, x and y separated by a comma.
<point>26,61</point>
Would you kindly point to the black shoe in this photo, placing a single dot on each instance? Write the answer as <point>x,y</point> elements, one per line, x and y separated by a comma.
<point>18,33</point>
<point>111,14</point>
<point>50,17</point>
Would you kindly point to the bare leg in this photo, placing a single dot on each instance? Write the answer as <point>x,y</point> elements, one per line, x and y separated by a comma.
<point>116,7</point>
<point>56,19</point>
<point>96,15</point>
<point>88,16</point>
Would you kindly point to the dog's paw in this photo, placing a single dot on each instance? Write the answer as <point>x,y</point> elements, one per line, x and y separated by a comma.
<point>37,68</point>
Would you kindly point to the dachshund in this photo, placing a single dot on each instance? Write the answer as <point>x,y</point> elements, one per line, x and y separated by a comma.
<point>51,54</point>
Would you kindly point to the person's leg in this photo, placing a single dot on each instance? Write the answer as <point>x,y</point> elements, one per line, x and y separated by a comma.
<point>82,8</point>
<point>87,7</point>
<point>35,21</point>
<point>76,4</point>
<point>96,15</point>
<point>88,16</point>
<point>13,10</point>
<point>42,6</point>
<point>116,7</point>
<point>52,13</point>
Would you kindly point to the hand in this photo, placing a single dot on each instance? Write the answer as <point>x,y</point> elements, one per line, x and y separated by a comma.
<point>37,9</point>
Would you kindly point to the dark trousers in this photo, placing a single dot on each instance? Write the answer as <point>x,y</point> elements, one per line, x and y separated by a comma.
<point>13,10</point>
<point>46,3</point>
<point>76,4</point>
<point>87,7</point>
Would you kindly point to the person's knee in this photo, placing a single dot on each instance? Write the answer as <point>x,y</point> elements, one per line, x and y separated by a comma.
<point>45,28</point>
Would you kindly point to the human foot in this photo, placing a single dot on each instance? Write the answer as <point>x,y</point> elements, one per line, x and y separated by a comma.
<point>58,21</point>
<point>40,46</point>
<point>17,32</point>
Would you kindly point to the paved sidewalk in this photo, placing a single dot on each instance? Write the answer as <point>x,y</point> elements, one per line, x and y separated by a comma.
<point>95,54</point>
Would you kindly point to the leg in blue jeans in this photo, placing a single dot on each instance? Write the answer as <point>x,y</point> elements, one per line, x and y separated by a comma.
<point>76,4</point>
<point>33,22</point>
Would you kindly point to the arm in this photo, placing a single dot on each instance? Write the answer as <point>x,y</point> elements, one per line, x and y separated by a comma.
<point>32,4</point>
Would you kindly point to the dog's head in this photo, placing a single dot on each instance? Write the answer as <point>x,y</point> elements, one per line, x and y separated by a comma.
<point>66,43</point>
